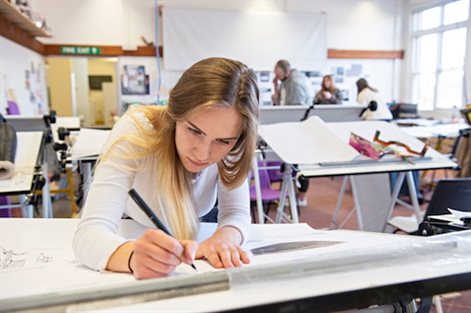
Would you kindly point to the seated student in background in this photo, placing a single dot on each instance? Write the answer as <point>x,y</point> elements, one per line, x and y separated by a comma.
<point>289,85</point>
<point>180,158</point>
<point>328,94</point>
<point>366,95</point>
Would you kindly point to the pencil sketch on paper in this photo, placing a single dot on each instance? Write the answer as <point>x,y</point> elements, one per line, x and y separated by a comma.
<point>42,258</point>
<point>10,259</point>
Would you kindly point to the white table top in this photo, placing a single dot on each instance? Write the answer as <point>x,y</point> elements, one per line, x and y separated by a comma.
<point>27,151</point>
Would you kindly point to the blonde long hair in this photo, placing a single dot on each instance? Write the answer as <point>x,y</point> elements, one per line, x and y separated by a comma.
<point>212,81</point>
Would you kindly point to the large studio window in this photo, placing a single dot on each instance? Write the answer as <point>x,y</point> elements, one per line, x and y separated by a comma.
<point>439,49</point>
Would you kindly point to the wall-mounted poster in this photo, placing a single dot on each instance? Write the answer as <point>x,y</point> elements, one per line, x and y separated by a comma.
<point>134,80</point>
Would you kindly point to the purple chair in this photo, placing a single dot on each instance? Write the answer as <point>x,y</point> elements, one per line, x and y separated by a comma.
<point>275,175</point>
<point>269,194</point>
<point>7,211</point>
<point>12,108</point>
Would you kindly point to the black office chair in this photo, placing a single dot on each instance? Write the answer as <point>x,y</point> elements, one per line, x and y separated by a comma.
<point>449,193</point>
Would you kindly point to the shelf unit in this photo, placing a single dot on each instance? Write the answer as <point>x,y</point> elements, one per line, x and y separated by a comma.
<point>14,15</point>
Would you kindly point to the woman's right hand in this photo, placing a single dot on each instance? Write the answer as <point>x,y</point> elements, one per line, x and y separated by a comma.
<point>157,254</point>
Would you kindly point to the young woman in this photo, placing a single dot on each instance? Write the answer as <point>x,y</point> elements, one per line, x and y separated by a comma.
<point>368,94</point>
<point>180,159</point>
<point>329,94</point>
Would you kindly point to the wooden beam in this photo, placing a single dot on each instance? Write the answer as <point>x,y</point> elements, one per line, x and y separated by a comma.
<point>107,51</point>
<point>18,35</point>
<point>365,54</point>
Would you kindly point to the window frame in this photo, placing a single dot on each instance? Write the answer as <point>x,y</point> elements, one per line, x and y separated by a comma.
<point>414,34</point>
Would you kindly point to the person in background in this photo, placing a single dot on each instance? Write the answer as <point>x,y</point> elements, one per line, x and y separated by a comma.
<point>180,158</point>
<point>289,85</point>
<point>328,94</point>
<point>367,95</point>
<point>291,88</point>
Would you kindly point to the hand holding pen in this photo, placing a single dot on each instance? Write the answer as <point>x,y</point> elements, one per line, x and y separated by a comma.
<point>157,253</point>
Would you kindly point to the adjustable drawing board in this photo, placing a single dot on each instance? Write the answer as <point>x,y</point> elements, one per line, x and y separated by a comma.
<point>27,151</point>
<point>308,142</point>
<point>27,123</point>
<point>89,143</point>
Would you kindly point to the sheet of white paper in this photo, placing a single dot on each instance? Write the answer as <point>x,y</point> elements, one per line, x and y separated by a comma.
<point>306,142</point>
<point>30,251</point>
<point>27,250</point>
<point>447,218</point>
<point>459,214</point>
<point>90,142</point>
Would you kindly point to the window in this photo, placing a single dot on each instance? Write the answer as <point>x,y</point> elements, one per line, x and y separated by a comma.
<point>439,48</point>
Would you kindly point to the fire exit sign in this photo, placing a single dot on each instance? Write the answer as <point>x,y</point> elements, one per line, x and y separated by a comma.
<point>80,50</point>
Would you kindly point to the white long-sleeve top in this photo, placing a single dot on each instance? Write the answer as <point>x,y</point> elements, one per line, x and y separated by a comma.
<point>382,112</point>
<point>96,239</point>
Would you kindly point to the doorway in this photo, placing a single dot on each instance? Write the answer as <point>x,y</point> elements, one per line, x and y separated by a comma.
<point>84,87</point>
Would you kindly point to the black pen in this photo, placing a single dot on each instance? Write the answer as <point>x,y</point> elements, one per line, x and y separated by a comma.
<point>147,210</point>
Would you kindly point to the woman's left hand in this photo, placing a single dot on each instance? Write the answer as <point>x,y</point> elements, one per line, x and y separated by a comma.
<point>223,250</point>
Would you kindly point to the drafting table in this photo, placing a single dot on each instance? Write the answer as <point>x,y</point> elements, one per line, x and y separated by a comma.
<point>362,269</point>
<point>294,113</point>
<point>37,123</point>
<point>366,130</point>
<point>28,149</point>
<point>329,146</point>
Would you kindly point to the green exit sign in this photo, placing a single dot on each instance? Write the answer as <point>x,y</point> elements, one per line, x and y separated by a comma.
<point>80,50</point>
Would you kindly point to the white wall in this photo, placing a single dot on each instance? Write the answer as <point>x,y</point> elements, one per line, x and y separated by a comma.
<point>31,92</point>
<point>351,25</point>
<point>102,22</point>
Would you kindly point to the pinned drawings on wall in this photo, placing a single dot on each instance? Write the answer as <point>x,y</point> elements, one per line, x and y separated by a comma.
<point>134,80</point>
<point>344,77</point>
<point>34,80</point>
